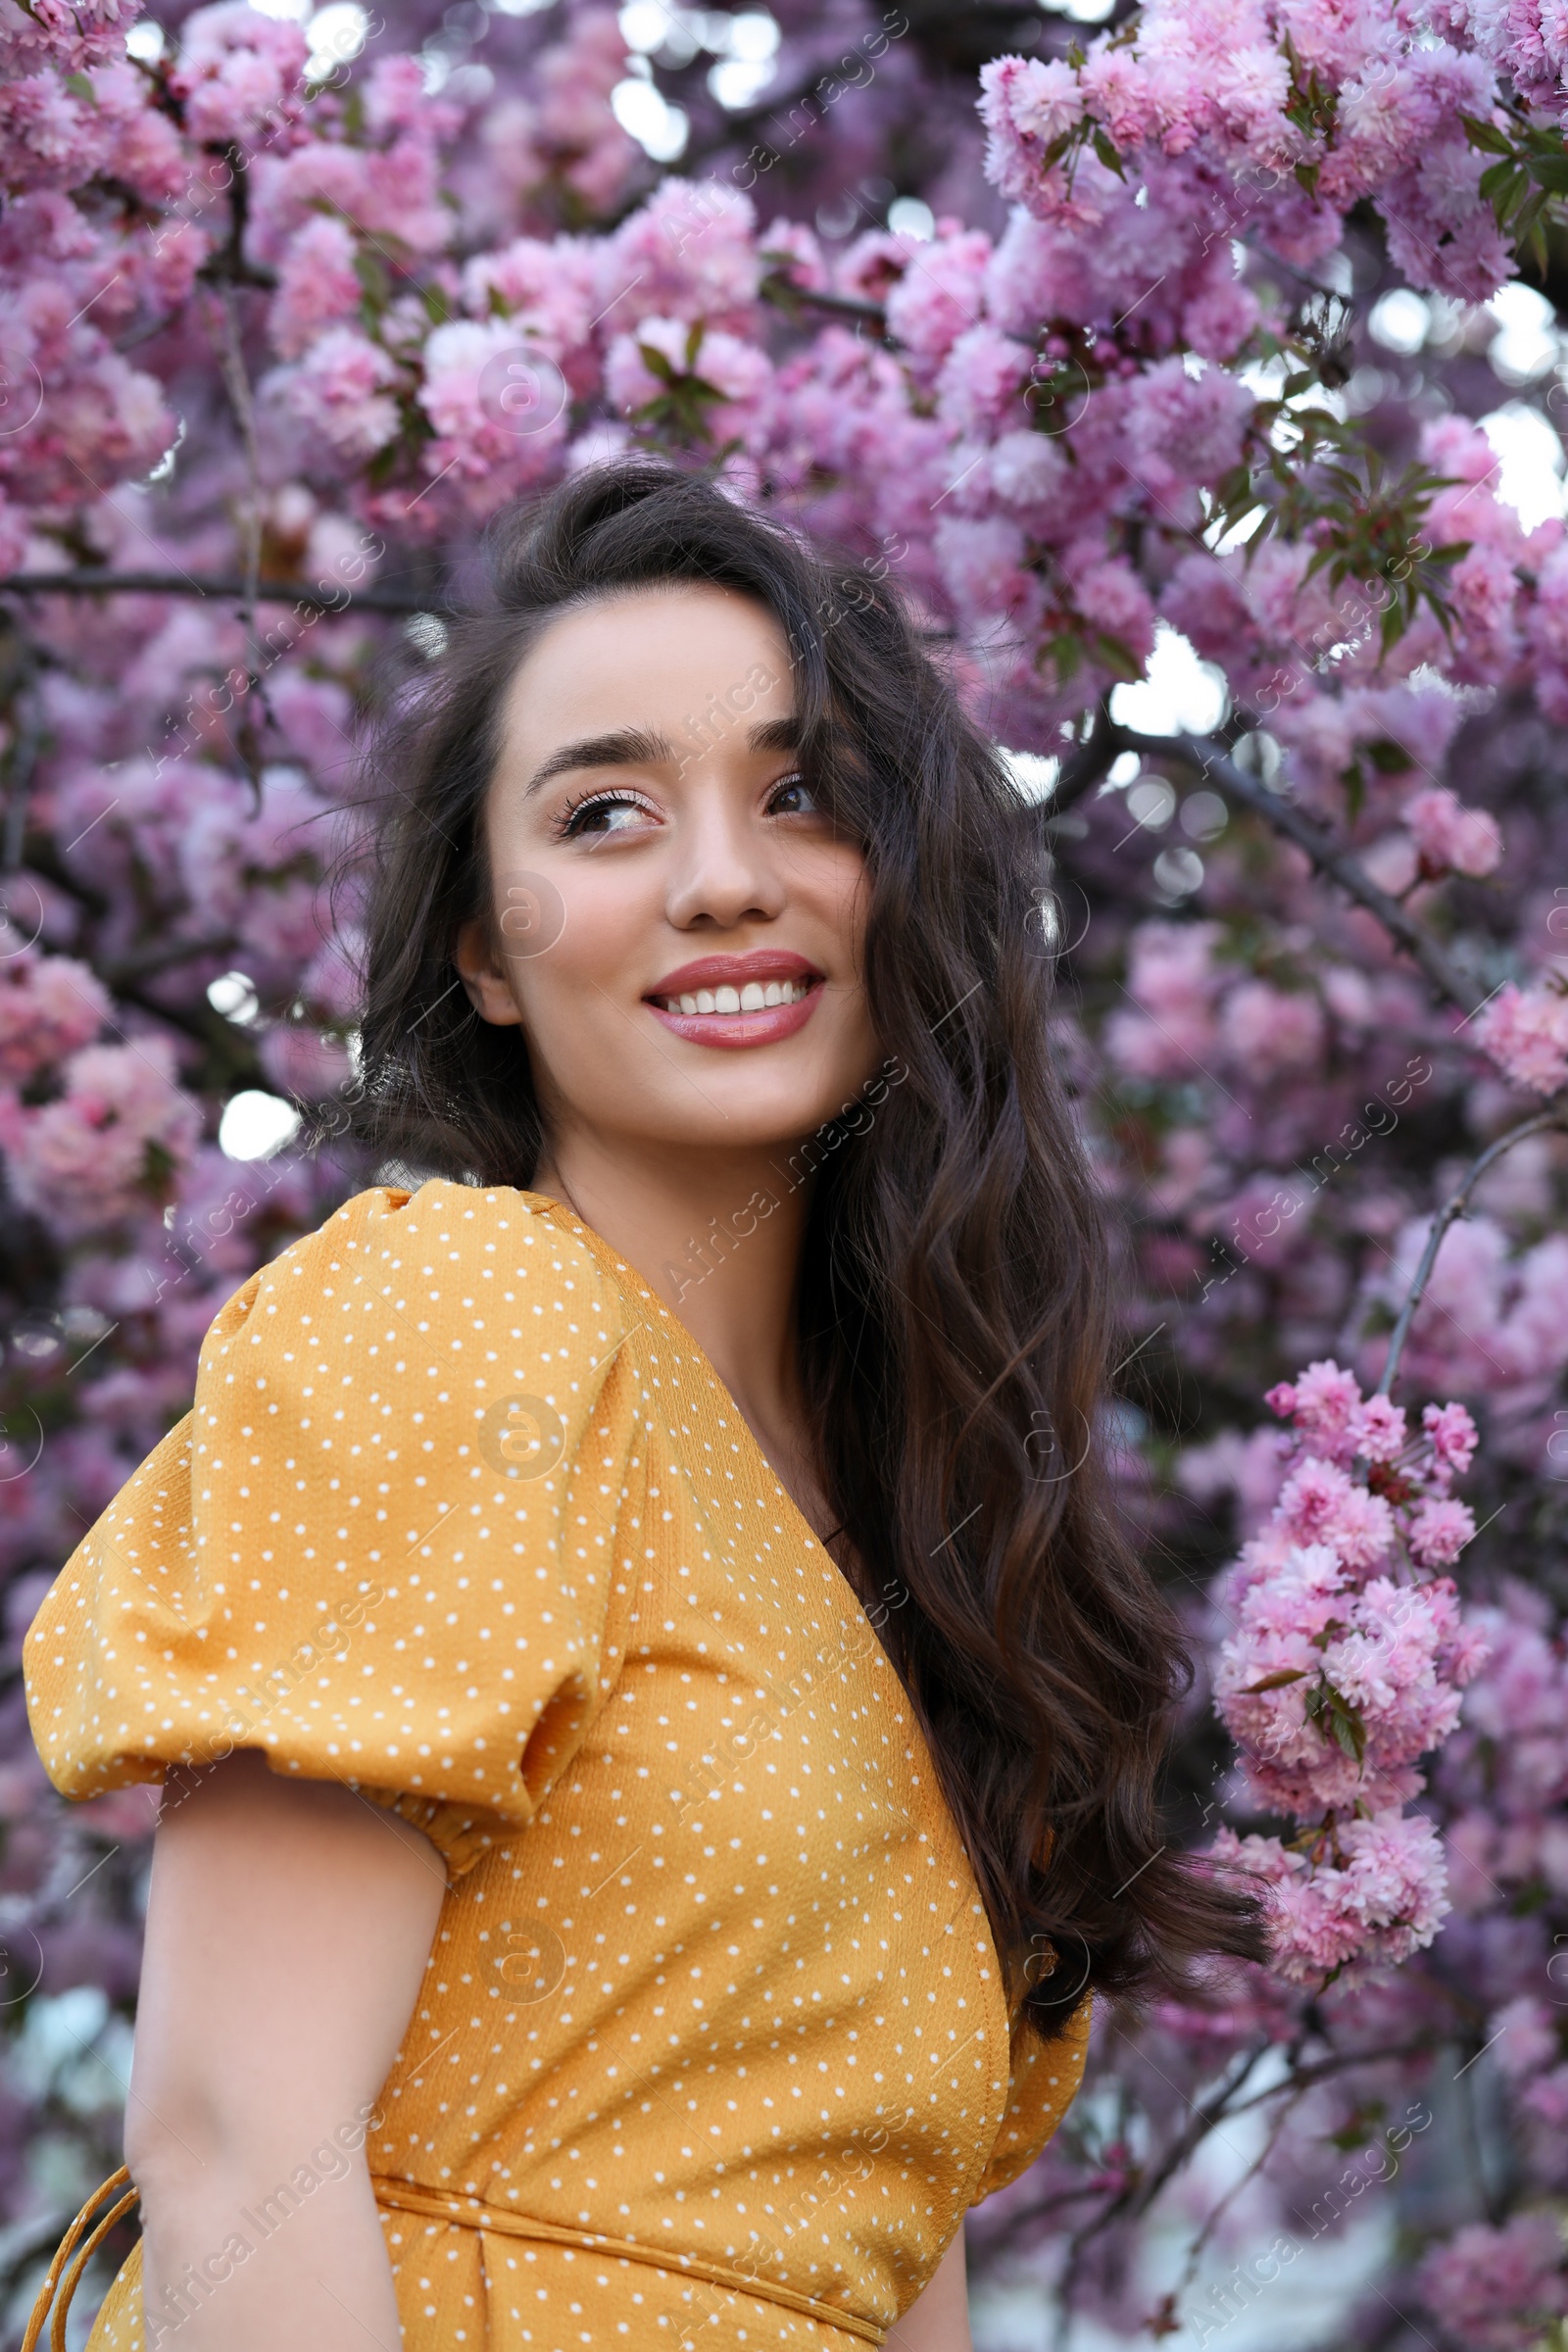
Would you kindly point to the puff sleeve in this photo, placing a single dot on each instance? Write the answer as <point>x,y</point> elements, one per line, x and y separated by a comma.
<point>380,1546</point>
<point>1046,2077</point>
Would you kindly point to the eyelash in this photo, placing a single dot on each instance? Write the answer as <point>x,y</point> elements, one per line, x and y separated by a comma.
<point>566,828</point>
<point>566,823</point>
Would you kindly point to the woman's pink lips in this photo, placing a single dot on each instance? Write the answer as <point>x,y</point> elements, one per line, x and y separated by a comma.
<point>733,1029</point>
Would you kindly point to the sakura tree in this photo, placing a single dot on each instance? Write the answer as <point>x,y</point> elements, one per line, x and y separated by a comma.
<point>1198,372</point>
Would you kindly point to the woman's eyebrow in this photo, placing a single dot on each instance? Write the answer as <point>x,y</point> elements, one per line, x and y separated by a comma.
<point>775,735</point>
<point>633,747</point>
<point>624,747</point>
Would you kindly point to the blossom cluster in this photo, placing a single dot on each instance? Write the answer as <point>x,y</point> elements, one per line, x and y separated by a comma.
<point>1346,1665</point>
<point>1387,96</point>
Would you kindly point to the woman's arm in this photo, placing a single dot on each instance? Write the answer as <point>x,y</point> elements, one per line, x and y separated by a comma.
<point>288,1926</point>
<point>938,2320</point>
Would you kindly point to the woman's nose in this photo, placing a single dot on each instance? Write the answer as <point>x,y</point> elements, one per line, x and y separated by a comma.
<point>724,869</point>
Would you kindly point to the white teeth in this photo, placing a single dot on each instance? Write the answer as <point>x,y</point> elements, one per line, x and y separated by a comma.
<point>752,998</point>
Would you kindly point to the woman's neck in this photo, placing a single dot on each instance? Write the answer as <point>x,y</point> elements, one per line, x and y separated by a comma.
<point>718,1239</point>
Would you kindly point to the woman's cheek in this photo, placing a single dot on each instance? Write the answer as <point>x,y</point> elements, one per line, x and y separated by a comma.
<point>588,977</point>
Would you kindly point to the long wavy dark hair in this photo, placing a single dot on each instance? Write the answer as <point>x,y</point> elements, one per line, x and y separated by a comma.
<point>954,1314</point>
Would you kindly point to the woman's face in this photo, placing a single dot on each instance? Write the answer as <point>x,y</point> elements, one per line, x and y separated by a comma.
<point>677,925</point>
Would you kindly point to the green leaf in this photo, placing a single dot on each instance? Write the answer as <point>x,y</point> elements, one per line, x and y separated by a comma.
<point>1309,174</point>
<point>1509,200</point>
<point>374,283</point>
<point>1487,137</point>
<point>1507,185</point>
<point>1326,1707</point>
<point>1390,759</point>
<point>1275,1682</point>
<point>1529,215</point>
<point>80,87</point>
<point>1116,657</point>
<point>1550,172</point>
<point>1106,153</point>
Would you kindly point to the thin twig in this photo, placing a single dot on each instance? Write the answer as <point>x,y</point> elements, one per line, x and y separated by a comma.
<point>1136,2196</point>
<point>25,745</point>
<point>784,292</point>
<point>1218,2210</point>
<point>320,599</point>
<point>161,956</point>
<point>237,385</point>
<point>1452,1208</point>
<point>1304,2078</point>
<point>1022,2219</point>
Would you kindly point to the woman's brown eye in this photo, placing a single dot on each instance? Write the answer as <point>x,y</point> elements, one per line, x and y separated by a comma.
<point>600,815</point>
<point>792,797</point>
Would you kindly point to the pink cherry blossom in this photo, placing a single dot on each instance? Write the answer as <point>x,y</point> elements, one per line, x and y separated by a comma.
<point>49,1005</point>
<point>318,284</point>
<point>342,389</point>
<point>1325,1404</point>
<point>1378,1899</point>
<point>1320,1505</point>
<point>1526,1033</point>
<point>1452,839</point>
<point>1454,1436</point>
<point>121,1126</point>
<point>1439,1531</point>
<point>1500,2288</point>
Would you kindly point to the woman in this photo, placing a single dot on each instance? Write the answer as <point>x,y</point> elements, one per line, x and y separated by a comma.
<point>693,1720</point>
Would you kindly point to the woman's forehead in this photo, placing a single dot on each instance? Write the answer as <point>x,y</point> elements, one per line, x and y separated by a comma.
<point>653,656</point>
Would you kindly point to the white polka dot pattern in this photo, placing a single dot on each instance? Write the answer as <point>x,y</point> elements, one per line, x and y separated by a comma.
<point>712,2042</point>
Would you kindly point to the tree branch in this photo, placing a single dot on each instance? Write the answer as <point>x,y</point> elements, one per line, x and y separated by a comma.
<point>780,289</point>
<point>1215,763</point>
<point>1452,1209</point>
<point>184,583</point>
<point>160,956</point>
<point>237,385</point>
<point>1089,762</point>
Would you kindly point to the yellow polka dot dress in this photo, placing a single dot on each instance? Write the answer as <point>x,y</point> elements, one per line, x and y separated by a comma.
<point>712,2049</point>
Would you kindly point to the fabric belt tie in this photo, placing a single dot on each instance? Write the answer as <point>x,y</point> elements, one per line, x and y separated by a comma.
<point>472,2213</point>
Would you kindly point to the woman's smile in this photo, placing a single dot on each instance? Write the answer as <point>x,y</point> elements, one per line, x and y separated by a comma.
<point>737,1000</point>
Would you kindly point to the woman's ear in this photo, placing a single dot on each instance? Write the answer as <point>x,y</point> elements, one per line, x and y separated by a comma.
<point>484,981</point>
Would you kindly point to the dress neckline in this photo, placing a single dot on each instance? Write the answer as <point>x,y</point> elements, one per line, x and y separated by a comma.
<point>629,1277</point>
